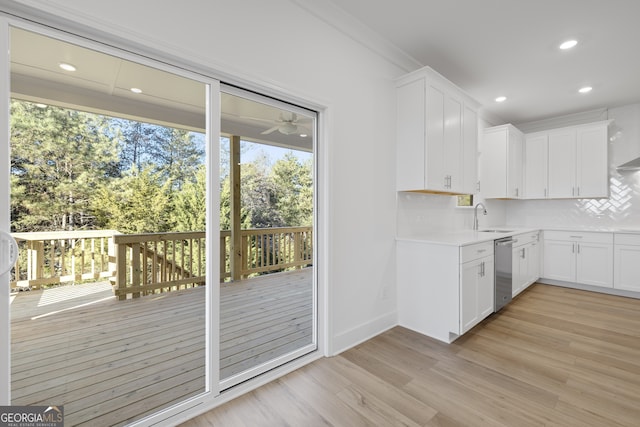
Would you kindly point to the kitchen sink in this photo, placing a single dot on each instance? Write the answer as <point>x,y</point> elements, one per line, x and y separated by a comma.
<point>496,231</point>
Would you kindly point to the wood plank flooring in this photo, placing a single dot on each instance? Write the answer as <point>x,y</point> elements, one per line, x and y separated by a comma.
<point>553,357</point>
<point>110,362</point>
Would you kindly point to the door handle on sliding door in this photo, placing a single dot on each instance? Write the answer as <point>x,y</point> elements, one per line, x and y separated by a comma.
<point>8,252</point>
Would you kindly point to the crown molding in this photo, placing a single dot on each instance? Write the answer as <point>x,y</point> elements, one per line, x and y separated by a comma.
<point>334,16</point>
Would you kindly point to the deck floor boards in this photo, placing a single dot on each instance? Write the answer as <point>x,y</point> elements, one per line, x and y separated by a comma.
<point>110,362</point>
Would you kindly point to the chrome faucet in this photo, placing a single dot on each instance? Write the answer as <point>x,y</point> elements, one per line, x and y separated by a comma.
<point>475,214</point>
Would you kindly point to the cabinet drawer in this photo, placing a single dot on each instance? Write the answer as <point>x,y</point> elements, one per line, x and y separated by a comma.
<point>526,238</point>
<point>628,239</point>
<point>478,250</point>
<point>579,236</point>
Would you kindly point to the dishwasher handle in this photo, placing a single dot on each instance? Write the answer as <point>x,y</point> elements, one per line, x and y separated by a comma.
<point>505,242</point>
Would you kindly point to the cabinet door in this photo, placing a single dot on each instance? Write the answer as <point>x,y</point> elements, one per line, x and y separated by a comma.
<point>592,179</point>
<point>453,143</point>
<point>514,164</point>
<point>476,292</point>
<point>410,149</point>
<point>627,267</point>
<point>560,260</point>
<point>470,273</point>
<point>520,269</point>
<point>562,164</point>
<point>493,160</point>
<point>594,264</point>
<point>486,283</point>
<point>435,176</point>
<point>469,150</point>
<point>533,256</point>
<point>535,167</point>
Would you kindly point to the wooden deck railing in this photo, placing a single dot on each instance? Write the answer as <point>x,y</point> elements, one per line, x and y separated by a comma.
<point>56,257</point>
<point>140,264</point>
<point>158,262</point>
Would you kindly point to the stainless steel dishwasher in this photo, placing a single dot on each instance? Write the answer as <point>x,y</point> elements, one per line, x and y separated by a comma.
<point>503,272</point>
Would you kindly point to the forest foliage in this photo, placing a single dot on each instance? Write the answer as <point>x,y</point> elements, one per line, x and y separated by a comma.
<point>72,170</point>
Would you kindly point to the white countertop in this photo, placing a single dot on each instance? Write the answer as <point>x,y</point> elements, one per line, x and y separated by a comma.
<point>470,237</point>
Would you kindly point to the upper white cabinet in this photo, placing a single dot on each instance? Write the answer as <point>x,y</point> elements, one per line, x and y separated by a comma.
<point>501,162</point>
<point>578,161</point>
<point>535,170</point>
<point>437,128</point>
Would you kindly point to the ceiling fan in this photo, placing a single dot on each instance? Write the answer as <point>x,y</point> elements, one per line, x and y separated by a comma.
<point>287,126</point>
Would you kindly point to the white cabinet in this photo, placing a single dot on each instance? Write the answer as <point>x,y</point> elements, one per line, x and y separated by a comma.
<point>501,162</point>
<point>627,262</point>
<point>444,290</point>
<point>579,257</point>
<point>526,261</point>
<point>476,285</point>
<point>578,161</point>
<point>536,157</point>
<point>437,129</point>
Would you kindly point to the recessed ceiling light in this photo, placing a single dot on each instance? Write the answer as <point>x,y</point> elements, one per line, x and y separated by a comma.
<point>66,66</point>
<point>568,44</point>
<point>136,90</point>
<point>501,99</point>
<point>585,89</point>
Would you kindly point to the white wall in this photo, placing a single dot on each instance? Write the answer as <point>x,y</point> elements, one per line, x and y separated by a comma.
<point>620,210</point>
<point>280,45</point>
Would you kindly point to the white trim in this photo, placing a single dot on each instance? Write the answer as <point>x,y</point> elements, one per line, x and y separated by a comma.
<point>347,24</point>
<point>364,332</point>
<point>5,305</point>
<point>212,316</point>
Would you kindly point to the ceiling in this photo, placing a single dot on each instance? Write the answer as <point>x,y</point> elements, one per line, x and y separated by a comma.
<point>102,84</point>
<point>509,48</point>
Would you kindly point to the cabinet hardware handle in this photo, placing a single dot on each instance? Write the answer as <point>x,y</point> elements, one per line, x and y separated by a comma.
<point>481,250</point>
<point>576,237</point>
<point>545,192</point>
<point>573,248</point>
<point>578,191</point>
<point>517,192</point>
<point>578,245</point>
<point>478,186</point>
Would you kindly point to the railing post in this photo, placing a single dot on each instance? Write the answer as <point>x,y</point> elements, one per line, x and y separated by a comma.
<point>121,271</point>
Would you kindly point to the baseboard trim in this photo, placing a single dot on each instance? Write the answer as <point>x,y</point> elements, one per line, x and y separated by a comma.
<point>361,333</point>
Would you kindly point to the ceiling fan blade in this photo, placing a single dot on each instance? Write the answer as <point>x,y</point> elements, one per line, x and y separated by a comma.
<point>268,131</point>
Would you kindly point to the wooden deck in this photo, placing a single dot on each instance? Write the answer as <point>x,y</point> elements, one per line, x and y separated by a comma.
<point>110,362</point>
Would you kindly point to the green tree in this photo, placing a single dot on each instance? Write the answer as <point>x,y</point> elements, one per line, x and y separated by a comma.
<point>190,205</point>
<point>58,158</point>
<point>139,202</point>
<point>294,190</point>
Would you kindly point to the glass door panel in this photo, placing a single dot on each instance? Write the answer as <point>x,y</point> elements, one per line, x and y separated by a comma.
<point>267,290</point>
<point>108,190</point>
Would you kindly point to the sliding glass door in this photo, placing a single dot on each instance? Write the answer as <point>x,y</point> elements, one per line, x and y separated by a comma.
<point>267,290</point>
<point>110,174</point>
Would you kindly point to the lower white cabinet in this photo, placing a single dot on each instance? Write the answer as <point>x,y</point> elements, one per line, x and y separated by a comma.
<point>627,262</point>
<point>579,257</point>
<point>476,291</point>
<point>444,290</point>
<point>526,261</point>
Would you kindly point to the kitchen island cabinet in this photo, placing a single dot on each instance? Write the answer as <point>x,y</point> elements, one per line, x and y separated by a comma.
<point>444,290</point>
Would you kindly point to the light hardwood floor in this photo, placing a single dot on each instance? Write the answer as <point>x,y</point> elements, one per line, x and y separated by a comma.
<point>553,357</point>
<point>110,362</point>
